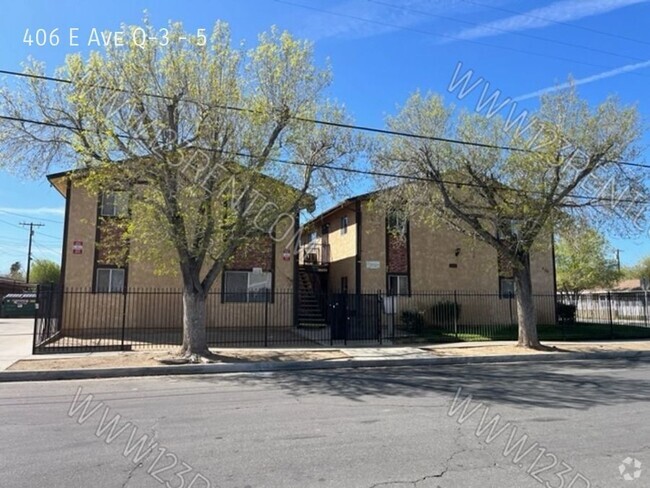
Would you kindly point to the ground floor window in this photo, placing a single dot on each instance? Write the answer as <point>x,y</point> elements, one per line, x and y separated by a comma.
<point>398,284</point>
<point>506,287</point>
<point>109,280</point>
<point>247,286</point>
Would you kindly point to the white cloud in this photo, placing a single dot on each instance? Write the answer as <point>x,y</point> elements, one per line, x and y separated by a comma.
<point>356,19</point>
<point>562,11</point>
<point>59,211</point>
<point>583,81</point>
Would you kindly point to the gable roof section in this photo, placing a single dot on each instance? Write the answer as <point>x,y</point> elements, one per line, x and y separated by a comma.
<point>327,213</point>
<point>59,181</point>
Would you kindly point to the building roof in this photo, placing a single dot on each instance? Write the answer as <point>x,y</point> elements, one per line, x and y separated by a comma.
<point>59,181</point>
<point>339,206</point>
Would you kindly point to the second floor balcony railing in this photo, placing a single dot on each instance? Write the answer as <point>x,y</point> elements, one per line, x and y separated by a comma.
<point>315,254</point>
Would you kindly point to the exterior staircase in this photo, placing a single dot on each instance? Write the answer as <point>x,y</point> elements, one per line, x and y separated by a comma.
<point>310,310</point>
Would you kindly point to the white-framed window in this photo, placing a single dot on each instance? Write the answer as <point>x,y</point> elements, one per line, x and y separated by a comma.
<point>506,287</point>
<point>114,204</point>
<point>396,222</point>
<point>247,286</point>
<point>398,284</point>
<point>109,280</point>
<point>344,224</point>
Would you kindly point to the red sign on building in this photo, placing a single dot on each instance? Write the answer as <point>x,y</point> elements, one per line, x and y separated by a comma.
<point>77,247</point>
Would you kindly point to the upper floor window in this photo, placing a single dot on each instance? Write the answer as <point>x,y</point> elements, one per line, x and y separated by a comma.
<point>344,224</point>
<point>114,204</point>
<point>396,222</point>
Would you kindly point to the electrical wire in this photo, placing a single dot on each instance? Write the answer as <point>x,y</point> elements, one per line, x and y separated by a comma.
<point>448,36</point>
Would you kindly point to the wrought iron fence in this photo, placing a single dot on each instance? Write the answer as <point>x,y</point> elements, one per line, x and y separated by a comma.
<point>80,320</point>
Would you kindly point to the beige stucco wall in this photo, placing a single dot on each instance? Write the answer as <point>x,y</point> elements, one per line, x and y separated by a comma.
<point>475,277</point>
<point>81,227</point>
<point>343,247</point>
<point>155,299</point>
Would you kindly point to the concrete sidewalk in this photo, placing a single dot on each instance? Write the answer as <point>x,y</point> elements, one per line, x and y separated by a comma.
<point>15,340</point>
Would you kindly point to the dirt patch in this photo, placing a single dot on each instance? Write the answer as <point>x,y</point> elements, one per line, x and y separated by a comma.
<point>283,355</point>
<point>139,359</point>
<point>120,360</point>
<point>513,349</point>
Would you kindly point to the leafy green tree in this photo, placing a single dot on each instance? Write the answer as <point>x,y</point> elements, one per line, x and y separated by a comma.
<point>639,270</point>
<point>583,261</point>
<point>513,200</point>
<point>198,132</point>
<point>16,271</point>
<point>44,271</point>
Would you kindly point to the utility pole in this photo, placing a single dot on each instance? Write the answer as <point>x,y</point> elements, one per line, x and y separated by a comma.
<point>618,259</point>
<point>29,248</point>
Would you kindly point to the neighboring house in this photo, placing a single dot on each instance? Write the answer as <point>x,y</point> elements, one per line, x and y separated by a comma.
<point>93,280</point>
<point>625,302</point>
<point>355,247</point>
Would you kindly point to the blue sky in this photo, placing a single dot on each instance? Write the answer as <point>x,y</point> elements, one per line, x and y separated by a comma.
<point>380,50</point>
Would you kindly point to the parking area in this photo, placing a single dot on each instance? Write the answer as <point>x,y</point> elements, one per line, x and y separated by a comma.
<point>15,340</point>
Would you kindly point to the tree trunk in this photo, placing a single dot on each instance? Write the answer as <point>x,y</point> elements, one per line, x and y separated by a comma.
<point>526,308</point>
<point>194,326</point>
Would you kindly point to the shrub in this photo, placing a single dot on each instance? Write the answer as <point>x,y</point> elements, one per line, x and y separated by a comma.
<point>566,313</point>
<point>445,313</point>
<point>413,320</point>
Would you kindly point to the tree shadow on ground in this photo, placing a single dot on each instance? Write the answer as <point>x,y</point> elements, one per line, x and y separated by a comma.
<point>570,384</point>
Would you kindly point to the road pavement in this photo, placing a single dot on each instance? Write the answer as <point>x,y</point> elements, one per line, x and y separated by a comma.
<point>557,423</point>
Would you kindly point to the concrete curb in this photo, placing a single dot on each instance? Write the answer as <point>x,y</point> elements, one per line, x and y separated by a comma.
<point>268,366</point>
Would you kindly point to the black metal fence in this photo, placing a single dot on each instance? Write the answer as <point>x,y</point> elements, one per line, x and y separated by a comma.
<point>80,320</point>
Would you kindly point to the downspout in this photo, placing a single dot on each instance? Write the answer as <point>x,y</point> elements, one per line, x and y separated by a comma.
<point>357,280</point>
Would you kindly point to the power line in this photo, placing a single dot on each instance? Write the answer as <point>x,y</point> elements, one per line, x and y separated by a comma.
<point>520,34</point>
<point>448,36</point>
<point>374,130</point>
<point>28,217</point>
<point>334,124</point>
<point>9,223</point>
<point>31,226</point>
<point>19,227</point>
<point>558,22</point>
<point>434,180</point>
<point>371,173</point>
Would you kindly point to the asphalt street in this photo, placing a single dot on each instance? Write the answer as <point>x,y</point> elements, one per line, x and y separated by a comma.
<point>574,424</point>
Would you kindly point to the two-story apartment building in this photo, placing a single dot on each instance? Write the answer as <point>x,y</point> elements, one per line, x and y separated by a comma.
<point>96,282</point>
<point>355,247</point>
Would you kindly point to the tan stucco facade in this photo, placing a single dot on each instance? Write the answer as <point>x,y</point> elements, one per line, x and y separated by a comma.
<point>154,299</point>
<point>441,261</point>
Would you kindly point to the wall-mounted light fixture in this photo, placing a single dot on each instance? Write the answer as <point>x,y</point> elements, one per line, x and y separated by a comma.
<point>457,251</point>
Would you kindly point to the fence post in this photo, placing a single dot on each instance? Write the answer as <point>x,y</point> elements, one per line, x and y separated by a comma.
<point>380,324</point>
<point>124,299</point>
<point>611,319</point>
<point>557,318</point>
<point>456,313</point>
<point>510,307</point>
<point>266,318</point>
<point>36,311</point>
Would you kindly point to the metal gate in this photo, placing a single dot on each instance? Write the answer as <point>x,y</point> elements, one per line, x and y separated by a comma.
<point>47,317</point>
<point>355,317</point>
